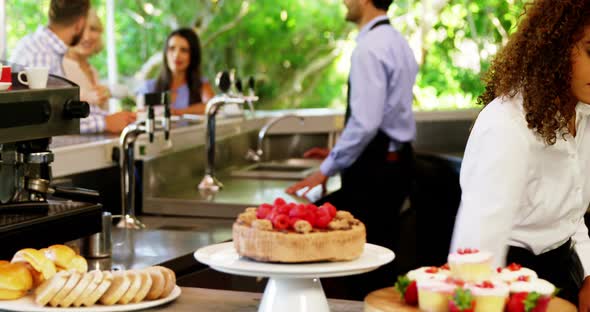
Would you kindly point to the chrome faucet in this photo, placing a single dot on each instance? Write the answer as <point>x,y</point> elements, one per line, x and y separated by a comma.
<point>210,183</point>
<point>250,96</point>
<point>127,158</point>
<point>257,155</point>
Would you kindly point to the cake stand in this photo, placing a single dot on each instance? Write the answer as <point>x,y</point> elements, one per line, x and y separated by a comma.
<point>292,287</point>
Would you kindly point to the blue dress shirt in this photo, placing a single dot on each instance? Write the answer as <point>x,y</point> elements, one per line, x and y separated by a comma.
<point>182,93</point>
<point>382,74</point>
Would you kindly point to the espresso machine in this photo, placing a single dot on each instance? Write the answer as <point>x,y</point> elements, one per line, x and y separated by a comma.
<point>33,212</point>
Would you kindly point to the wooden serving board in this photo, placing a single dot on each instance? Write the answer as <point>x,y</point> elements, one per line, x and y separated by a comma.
<point>389,300</point>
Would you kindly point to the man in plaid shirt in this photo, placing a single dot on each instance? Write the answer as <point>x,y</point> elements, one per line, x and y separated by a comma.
<point>47,47</point>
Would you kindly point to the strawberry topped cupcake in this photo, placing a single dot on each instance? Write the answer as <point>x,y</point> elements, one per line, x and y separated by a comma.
<point>490,295</point>
<point>407,289</point>
<point>540,286</point>
<point>434,294</point>
<point>471,265</point>
<point>440,273</point>
<point>530,296</point>
<point>406,285</point>
<point>515,272</point>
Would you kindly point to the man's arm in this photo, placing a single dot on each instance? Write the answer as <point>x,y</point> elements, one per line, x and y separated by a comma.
<point>94,123</point>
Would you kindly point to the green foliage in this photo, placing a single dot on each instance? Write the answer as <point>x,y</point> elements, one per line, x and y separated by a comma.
<point>299,50</point>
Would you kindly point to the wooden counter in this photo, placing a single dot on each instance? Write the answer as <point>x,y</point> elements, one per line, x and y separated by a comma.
<point>201,299</point>
<point>388,300</point>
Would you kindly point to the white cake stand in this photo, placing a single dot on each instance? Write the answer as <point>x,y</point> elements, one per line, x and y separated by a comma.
<point>292,287</point>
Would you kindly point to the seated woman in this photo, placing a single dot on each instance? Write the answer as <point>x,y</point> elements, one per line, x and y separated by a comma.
<point>78,69</point>
<point>181,74</point>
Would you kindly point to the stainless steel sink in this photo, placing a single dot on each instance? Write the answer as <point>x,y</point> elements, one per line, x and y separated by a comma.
<point>287,169</point>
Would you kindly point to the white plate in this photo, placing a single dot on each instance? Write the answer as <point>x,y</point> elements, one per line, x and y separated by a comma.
<point>223,257</point>
<point>28,304</point>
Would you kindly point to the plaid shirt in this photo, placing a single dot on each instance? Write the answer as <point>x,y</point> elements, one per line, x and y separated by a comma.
<point>41,48</point>
<point>44,48</point>
<point>95,122</point>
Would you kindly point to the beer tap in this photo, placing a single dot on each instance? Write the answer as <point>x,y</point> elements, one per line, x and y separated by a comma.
<point>210,183</point>
<point>150,122</point>
<point>127,159</point>
<point>251,95</point>
<point>166,124</point>
<point>238,84</point>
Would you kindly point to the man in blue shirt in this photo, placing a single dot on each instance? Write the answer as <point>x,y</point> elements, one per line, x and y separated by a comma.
<point>373,155</point>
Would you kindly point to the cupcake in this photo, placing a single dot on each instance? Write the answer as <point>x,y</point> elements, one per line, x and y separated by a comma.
<point>434,294</point>
<point>406,285</point>
<point>471,265</point>
<point>490,295</point>
<point>534,294</point>
<point>515,272</point>
<point>429,272</point>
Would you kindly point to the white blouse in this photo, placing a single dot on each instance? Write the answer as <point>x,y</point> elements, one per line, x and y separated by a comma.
<point>75,73</point>
<point>518,191</point>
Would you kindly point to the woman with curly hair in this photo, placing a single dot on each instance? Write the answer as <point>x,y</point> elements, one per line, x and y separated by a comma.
<point>524,176</point>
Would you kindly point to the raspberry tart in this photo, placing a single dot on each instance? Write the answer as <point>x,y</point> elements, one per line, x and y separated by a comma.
<point>296,233</point>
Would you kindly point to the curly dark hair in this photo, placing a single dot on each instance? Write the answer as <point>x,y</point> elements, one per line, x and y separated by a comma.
<point>536,62</point>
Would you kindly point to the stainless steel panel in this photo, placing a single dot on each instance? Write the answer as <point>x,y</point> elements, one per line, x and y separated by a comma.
<point>286,169</point>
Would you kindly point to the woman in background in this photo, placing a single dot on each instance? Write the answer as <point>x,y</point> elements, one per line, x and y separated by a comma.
<point>181,74</point>
<point>78,69</point>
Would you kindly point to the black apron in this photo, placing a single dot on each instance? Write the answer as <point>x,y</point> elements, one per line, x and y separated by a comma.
<point>560,266</point>
<point>375,153</point>
<point>373,189</point>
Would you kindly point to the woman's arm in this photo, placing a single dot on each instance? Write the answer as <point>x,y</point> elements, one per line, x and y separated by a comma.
<point>197,108</point>
<point>194,109</point>
<point>206,92</point>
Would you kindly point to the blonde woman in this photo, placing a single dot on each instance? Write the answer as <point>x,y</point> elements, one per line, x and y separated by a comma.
<point>78,69</point>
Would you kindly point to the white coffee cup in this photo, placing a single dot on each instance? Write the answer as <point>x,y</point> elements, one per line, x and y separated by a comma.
<point>118,91</point>
<point>36,77</point>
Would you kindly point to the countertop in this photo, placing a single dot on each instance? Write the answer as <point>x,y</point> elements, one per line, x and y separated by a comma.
<point>174,198</point>
<point>230,301</point>
<point>134,249</point>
